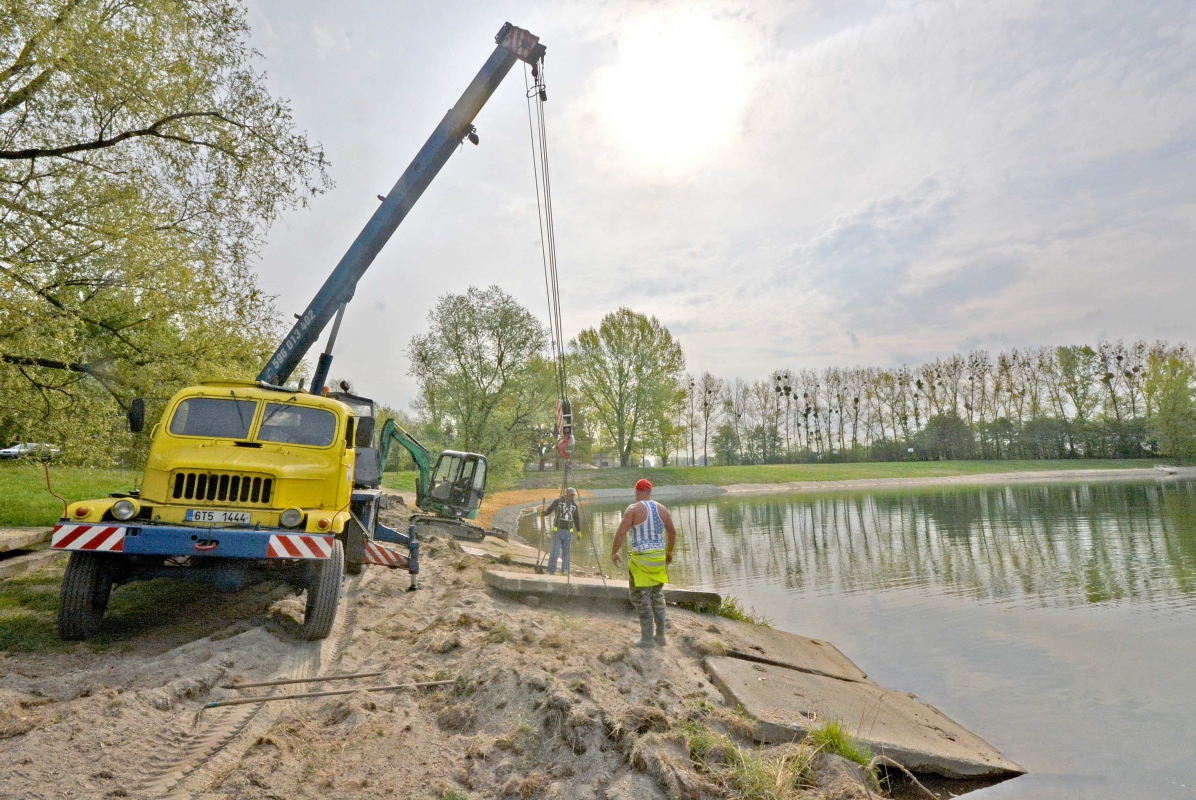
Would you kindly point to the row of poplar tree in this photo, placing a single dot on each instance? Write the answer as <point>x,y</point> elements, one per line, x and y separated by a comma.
<point>1109,401</point>
<point>486,384</point>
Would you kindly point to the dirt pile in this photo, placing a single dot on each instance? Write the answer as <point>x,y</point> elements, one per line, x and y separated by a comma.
<point>544,702</point>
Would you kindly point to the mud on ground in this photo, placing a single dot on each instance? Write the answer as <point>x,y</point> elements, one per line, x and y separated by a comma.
<point>545,702</point>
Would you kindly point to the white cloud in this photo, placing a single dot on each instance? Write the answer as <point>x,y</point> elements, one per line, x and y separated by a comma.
<point>871,181</point>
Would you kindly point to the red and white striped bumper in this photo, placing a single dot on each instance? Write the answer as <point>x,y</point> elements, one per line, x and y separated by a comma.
<point>98,538</point>
<point>383,556</point>
<point>299,545</point>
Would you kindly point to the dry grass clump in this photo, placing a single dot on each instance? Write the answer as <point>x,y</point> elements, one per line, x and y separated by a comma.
<point>523,739</point>
<point>499,632</point>
<point>532,785</point>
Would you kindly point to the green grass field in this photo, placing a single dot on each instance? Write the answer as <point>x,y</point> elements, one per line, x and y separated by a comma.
<point>400,481</point>
<point>787,473</point>
<point>25,501</point>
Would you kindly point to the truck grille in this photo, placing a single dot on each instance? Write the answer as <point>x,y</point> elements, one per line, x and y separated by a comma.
<point>222,487</point>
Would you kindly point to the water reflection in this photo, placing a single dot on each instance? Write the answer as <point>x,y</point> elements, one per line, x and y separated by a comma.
<point>1044,545</point>
<point>1055,620</point>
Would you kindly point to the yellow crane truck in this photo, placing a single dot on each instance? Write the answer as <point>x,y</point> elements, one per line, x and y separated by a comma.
<point>248,477</point>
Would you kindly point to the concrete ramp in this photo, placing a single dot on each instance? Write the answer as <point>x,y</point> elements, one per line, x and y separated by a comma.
<point>593,588</point>
<point>787,703</point>
<point>22,538</point>
<point>779,648</point>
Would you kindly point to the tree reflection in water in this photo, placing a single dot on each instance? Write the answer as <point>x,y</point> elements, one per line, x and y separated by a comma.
<point>1048,544</point>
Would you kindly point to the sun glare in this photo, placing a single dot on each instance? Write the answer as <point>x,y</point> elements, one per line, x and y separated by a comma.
<point>676,91</point>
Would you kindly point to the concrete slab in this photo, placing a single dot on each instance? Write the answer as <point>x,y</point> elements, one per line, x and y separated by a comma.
<point>786,703</point>
<point>768,646</point>
<point>594,588</point>
<point>503,551</point>
<point>19,565</point>
<point>22,538</point>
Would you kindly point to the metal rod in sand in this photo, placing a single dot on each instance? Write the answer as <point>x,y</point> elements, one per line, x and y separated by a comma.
<point>393,687</point>
<point>302,680</point>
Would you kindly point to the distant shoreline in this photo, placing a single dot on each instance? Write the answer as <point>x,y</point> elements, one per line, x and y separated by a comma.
<point>887,484</point>
<point>502,508</point>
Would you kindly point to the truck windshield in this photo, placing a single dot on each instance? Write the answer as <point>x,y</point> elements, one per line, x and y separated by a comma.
<point>294,424</point>
<point>213,417</point>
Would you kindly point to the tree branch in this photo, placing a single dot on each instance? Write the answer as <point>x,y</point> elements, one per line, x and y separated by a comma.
<point>101,143</point>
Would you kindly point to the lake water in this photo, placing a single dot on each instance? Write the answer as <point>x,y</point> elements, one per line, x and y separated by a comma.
<point>1056,621</point>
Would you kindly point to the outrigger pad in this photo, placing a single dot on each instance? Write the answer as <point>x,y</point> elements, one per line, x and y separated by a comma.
<point>383,556</point>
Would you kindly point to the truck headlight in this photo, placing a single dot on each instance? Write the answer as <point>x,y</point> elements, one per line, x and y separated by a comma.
<point>124,509</point>
<point>291,518</point>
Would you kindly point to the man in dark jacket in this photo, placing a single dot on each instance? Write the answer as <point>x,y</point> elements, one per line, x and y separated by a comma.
<point>568,520</point>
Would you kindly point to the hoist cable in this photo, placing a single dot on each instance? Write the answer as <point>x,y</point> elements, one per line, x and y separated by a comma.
<point>538,133</point>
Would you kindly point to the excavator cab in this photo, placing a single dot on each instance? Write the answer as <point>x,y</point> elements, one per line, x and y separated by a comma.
<point>458,484</point>
<point>452,488</point>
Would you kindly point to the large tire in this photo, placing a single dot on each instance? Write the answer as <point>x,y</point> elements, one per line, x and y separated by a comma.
<point>355,539</point>
<point>86,587</point>
<point>323,593</point>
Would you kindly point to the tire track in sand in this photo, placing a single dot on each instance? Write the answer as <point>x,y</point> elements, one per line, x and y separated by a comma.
<point>185,760</point>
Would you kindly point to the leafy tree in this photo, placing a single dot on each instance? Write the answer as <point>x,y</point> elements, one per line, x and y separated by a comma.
<point>484,382</point>
<point>726,445</point>
<point>620,369</point>
<point>141,162</point>
<point>1173,381</point>
<point>947,436</point>
<point>664,434</point>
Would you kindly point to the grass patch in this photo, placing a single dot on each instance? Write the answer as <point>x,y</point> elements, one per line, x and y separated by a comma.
<point>787,473</point>
<point>400,481</point>
<point>24,500</point>
<point>743,772</point>
<point>832,737</point>
<point>29,611</point>
<point>499,633</point>
<point>731,608</point>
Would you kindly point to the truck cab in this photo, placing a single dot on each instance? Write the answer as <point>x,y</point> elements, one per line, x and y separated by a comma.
<point>230,453</point>
<point>239,477</point>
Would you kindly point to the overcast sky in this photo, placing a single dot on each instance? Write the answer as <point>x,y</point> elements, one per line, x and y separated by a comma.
<point>782,184</point>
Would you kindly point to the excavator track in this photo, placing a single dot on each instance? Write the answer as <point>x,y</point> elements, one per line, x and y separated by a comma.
<point>458,529</point>
<point>186,760</point>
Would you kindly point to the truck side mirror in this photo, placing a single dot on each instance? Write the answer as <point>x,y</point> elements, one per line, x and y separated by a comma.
<point>365,432</point>
<point>136,415</point>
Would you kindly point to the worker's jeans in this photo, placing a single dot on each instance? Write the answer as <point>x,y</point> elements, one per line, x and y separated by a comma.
<point>562,541</point>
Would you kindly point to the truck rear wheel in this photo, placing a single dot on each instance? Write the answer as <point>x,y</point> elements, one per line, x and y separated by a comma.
<point>86,587</point>
<point>323,593</point>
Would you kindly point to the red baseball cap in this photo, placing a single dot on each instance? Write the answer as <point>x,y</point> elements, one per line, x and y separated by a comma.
<point>644,485</point>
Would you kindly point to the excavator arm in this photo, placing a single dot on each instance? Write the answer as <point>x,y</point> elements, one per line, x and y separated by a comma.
<point>392,433</point>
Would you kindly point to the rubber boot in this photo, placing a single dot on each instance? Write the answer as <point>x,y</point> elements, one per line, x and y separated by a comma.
<point>658,613</point>
<point>645,630</point>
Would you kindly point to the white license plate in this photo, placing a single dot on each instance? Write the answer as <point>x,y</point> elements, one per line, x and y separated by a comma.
<point>200,515</point>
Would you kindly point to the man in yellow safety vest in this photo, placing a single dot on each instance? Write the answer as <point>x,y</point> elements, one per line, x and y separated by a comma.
<point>648,529</point>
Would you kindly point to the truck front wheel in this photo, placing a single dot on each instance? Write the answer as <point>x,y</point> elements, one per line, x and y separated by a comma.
<point>86,587</point>
<point>323,593</point>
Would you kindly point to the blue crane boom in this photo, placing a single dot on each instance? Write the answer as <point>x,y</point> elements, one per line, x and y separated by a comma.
<point>512,44</point>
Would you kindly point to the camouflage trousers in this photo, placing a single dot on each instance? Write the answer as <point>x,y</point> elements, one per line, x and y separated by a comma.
<point>649,604</point>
